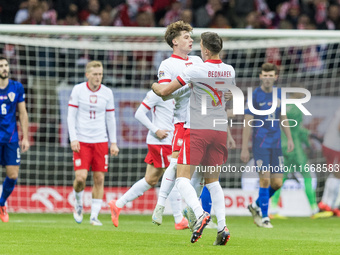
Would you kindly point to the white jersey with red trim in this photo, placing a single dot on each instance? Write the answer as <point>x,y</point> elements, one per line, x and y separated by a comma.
<point>162,117</point>
<point>168,71</point>
<point>209,81</point>
<point>332,136</point>
<point>92,106</point>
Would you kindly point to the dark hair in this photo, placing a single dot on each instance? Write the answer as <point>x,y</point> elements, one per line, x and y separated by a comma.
<point>212,41</point>
<point>175,29</point>
<point>3,58</point>
<point>267,67</point>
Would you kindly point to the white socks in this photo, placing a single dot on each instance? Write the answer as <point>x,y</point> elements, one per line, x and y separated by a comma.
<point>168,182</point>
<point>78,196</point>
<point>331,191</point>
<point>135,191</point>
<point>197,181</point>
<point>96,205</point>
<point>176,204</point>
<point>189,195</point>
<point>218,204</point>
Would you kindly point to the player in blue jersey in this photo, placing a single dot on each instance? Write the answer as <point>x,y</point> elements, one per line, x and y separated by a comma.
<point>12,97</point>
<point>266,143</point>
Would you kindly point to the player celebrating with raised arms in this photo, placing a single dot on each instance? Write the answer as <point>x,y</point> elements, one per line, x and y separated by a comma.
<point>91,119</point>
<point>266,143</point>
<point>158,158</point>
<point>12,97</point>
<point>204,143</point>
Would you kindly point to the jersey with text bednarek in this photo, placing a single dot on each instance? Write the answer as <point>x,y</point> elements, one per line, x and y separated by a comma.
<point>162,117</point>
<point>91,115</point>
<point>9,98</point>
<point>267,133</point>
<point>168,71</point>
<point>332,136</point>
<point>210,80</point>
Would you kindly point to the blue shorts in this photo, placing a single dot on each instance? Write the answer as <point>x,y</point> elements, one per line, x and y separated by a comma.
<point>267,159</point>
<point>9,154</point>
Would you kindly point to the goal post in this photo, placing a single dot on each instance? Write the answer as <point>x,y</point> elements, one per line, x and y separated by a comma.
<point>50,60</point>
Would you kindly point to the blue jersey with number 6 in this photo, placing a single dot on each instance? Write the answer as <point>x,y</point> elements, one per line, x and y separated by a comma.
<point>266,128</point>
<point>9,98</point>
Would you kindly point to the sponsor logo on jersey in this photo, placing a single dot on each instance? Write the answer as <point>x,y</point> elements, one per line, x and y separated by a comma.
<point>160,74</point>
<point>11,96</point>
<point>93,99</point>
<point>188,64</point>
<point>262,104</point>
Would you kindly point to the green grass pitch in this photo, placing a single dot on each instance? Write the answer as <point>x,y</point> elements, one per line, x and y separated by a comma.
<point>59,234</point>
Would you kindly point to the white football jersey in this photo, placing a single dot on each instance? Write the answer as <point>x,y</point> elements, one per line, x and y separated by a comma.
<point>91,115</point>
<point>168,71</point>
<point>209,80</point>
<point>332,136</point>
<point>162,117</point>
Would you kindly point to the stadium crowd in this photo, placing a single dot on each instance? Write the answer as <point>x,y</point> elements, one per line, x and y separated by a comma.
<point>251,14</point>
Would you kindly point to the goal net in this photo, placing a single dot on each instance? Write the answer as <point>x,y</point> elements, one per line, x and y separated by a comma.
<point>50,60</point>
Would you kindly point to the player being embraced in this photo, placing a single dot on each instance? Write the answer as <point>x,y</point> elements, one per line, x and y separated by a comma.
<point>204,144</point>
<point>159,145</point>
<point>178,37</point>
<point>91,120</point>
<point>12,97</point>
<point>266,143</point>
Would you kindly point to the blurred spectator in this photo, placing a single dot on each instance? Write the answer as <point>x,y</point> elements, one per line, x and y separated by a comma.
<point>240,10</point>
<point>303,21</point>
<point>333,21</point>
<point>23,13</point>
<point>253,20</point>
<point>186,16</point>
<point>91,14</point>
<point>105,18</point>
<point>172,15</point>
<point>205,14</point>
<point>50,15</point>
<point>220,21</point>
<point>145,19</point>
<point>35,15</point>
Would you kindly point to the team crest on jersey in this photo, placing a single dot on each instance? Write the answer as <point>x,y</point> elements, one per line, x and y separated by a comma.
<point>93,99</point>
<point>11,96</point>
<point>188,64</point>
<point>179,142</point>
<point>160,74</point>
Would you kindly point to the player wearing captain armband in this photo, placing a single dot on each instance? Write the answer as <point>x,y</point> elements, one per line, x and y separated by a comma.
<point>159,145</point>
<point>266,143</point>
<point>178,37</point>
<point>91,123</point>
<point>204,143</point>
<point>12,98</point>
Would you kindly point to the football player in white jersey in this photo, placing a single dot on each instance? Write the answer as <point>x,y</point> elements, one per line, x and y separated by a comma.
<point>91,119</point>
<point>204,144</point>
<point>158,158</point>
<point>178,37</point>
<point>329,204</point>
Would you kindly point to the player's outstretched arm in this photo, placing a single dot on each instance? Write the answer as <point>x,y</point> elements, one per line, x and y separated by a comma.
<point>245,138</point>
<point>166,89</point>
<point>286,130</point>
<point>23,118</point>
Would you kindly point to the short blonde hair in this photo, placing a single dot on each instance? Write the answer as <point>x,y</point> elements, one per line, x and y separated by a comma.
<point>93,64</point>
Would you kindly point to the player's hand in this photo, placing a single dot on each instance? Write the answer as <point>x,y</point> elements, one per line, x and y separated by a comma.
<point>156,88</point>
<point>162,133</point>
<point>228,96</point>
<point>245,155</point>
<point>114,149</point>
<point>75,146</point>
<point>24,145</point>
<point>231,144</point>
<point>290,145</point>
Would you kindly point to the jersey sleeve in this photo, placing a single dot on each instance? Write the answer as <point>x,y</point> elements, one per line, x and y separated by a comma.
<point>164,73</point>
<point>150,100</point>
<point>21,93</point>
<point>188,74</point>
<point>73,101</point>
<point>111,119</point>
<point>110,106</point>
